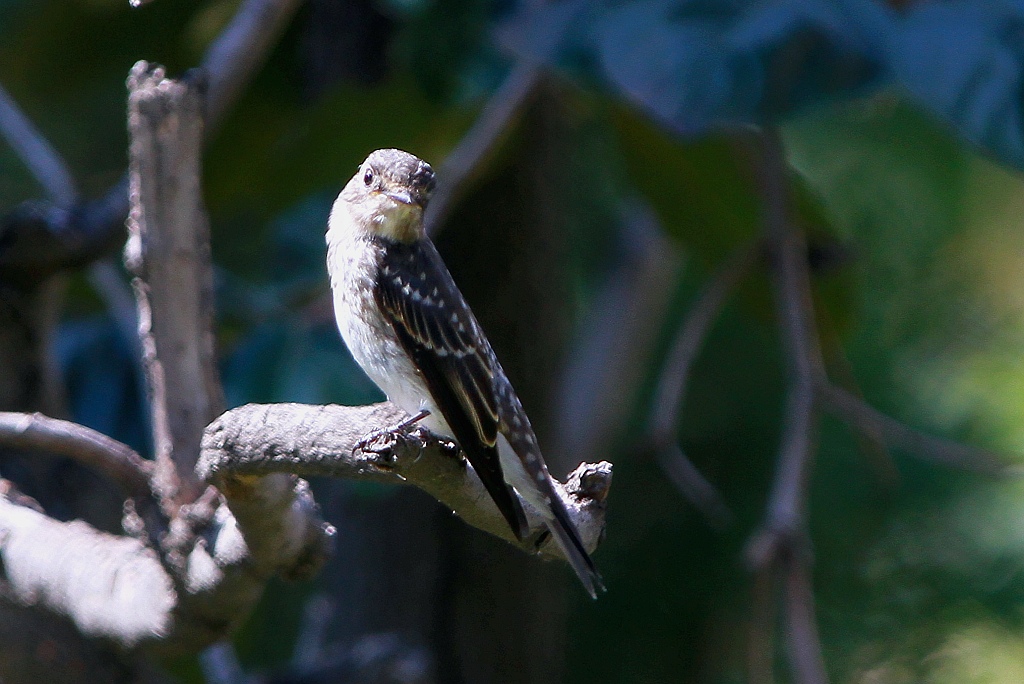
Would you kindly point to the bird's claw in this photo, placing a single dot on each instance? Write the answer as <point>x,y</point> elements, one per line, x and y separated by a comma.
<point>382,443</point>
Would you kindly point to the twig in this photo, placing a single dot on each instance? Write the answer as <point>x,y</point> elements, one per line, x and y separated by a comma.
<point>609,357</point>
<point>870,441</point>
<point>463,161</point>
<point>220,664</point>
<point>40,433</point>
<point>670,394</point>
<point>239,50</point>
<point>791,284</point>
<point>35,151</point>
<point>802,636</point>
<point>761,632</point>
<point>116,294</point>
<point>694,487</point>
<point>863,417</point>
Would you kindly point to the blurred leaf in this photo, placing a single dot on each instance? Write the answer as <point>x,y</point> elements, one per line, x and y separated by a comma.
<point>705,192</point>
<point>695,65</point>
<point>275,152</point>
<point>701,191</point>
<point>962,60</point>
<point>892,185</point>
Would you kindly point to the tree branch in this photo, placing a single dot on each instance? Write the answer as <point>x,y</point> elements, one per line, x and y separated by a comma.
<point>803,642</point>
<point>42,238</point>
<point>233,59</point>
<point>464,161</point>
<point>169,252</point>
<point>791,286</point>
<point>670,393</point>
<point>610,355</point>
<point>36,153</point>
<point>863,417</point>
<point>247,447</point>
<point>780,547</point>
<point>112,458</point>
<point>109,586</point>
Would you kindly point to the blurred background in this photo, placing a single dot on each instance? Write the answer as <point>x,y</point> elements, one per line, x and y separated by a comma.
<point>582,239</point>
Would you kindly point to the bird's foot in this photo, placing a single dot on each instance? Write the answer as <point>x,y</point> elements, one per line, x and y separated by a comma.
<point>383,443</point>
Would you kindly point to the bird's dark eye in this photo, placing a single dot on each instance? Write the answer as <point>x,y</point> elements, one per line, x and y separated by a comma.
<point>368,177</point>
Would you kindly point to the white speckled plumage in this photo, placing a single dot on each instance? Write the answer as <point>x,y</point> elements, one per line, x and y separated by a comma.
<point>409,328</point>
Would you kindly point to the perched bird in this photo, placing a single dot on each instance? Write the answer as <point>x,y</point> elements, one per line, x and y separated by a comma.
<point>406,323</point>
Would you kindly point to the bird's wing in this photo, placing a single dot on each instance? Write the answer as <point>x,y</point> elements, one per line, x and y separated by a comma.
<point>437,329</point>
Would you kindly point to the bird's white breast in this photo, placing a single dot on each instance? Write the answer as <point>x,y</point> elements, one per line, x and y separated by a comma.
<point>352,263</point>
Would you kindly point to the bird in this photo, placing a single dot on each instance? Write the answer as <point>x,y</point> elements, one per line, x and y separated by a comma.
<point>407,325</point>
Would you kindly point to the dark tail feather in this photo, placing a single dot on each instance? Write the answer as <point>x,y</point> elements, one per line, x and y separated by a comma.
<point>520,527</point>
<point>569,541</point>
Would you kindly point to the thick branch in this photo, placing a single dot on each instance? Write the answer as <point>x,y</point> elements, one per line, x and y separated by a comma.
<point>109,586</point>
<point>247,444</point>
<point>169,252</point>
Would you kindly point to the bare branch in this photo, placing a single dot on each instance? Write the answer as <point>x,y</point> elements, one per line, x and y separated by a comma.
<point>863,417</point>
<point>761,635</point>
<point>694,487</point>
<point>118,461</point>
<point>670,394</point>
<point>108,586</point>
<point>35,151</point>
<point>41,239</point>
<point>246,445</point>
<point>113,289</point>
<point>493,122</point>
<point>169,252</point>
<point>791,281</point>
<point>239,51</point>
<point>802,636</point>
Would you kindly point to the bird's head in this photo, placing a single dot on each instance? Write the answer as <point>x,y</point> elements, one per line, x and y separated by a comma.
<point>388,194</point>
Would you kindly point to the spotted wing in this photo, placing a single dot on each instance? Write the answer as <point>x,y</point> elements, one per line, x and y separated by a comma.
<point>437,329</point>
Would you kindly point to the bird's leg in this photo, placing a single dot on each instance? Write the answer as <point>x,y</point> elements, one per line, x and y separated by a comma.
<point>412,420</point>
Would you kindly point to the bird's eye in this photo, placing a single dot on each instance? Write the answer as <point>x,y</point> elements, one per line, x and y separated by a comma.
<point>368,177</point>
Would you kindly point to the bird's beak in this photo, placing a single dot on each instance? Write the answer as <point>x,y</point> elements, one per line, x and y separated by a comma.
<point>402,196</point>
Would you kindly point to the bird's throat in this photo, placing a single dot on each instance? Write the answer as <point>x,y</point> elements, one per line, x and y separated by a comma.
<point>400,223</point>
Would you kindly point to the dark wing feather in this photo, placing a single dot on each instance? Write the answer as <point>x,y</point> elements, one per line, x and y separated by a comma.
<point>437,329</point>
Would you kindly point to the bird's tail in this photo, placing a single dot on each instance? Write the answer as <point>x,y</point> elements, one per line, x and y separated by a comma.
<point>568,539</point>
